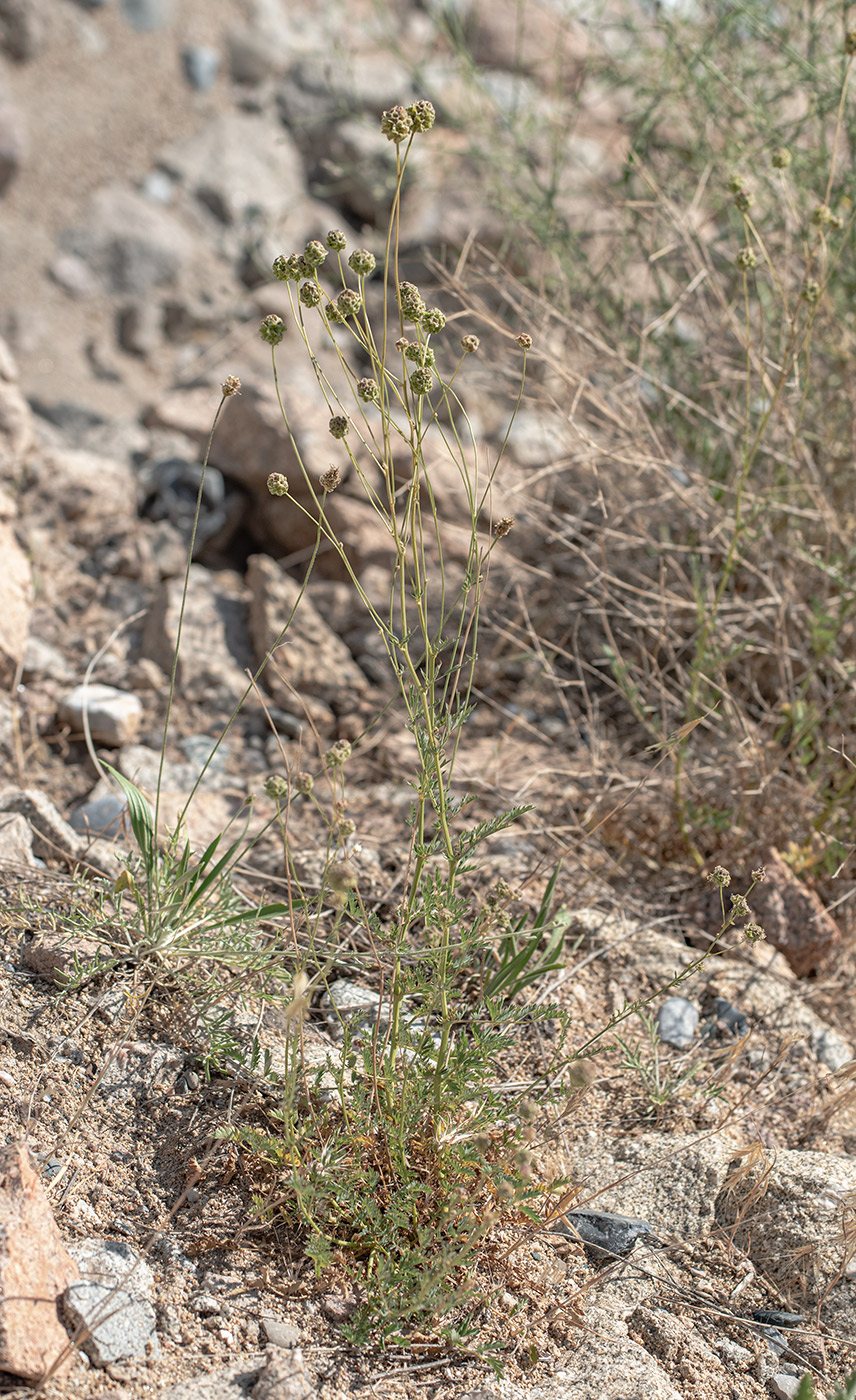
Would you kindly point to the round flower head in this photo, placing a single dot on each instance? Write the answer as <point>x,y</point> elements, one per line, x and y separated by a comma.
<point>402,343</point>
<point>850,42</point>
<point>310,294</point>
<point>336,240</point>
<point>285,269</point>
<point>470,344</point>
<point>781,158</point>
<point>277,484</point>
<point>314,253</point>
<point>746,259</point>
<point>422,115</point>
<point>362,262</point>
<point>420,354</point>
<point>304,783</point>
<point>503,526</point>
<point>367,390</point>
<point>524,341</point>
<point>396,124</point>
<point>272,329</point>
<point>338,426</point>
<point>276,787</point>
<point>822,215</point>
<point>411,304</point>
<point>737,182</point>
<point>338,754</point>
<point>433,320</point>
<point>333,314</point>
<point>811,291</point>
<point>349,303</point>
<point>422,381</point>
<point>743,200</point>
<point>330,479</point>
<point>231,385</point>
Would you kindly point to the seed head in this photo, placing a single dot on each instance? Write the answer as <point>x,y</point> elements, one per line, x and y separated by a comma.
<point>759,875</point>
<point>330,479</point>
<point>524,341</point>
<point>338,426</point>
<point>811,291</point>
<point>231,385</point>
<point>753,932</point>
<point>746,259</point>
<point>739,908</point>
<point>333,314</point>
<point>781,158</point>
<point>396,124</point>
<point>310,294</point>
<point>277,484</point>
<point>422,381</point>
<point>272,329</point>
<point>433,320</point>
<point>402,343</point>
<point>276,787</point>
<point>503,526</point>
<point>422,115</point>
<point>304,783</point>
<point>336,240</point>
<point>720,877</point>
<point>349,303</point>
<point>362,262</point>
<point>470,344</point>
<point>743,200</point>
<point>411,304</point>
<point>367,390</point>
<point>850,42</point>
<point>314,253</point>
<point>737,183</point>
<point>338,754</point>
<point>821,215</point>
<point>420,354</point>
<point>286,269</point>
<point>345,827</point>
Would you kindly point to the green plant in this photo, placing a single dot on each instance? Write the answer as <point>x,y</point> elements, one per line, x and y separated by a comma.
<point>845,1391</point>
<point>664,1080</point>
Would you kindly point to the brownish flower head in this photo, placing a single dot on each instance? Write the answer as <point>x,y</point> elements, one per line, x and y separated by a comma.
<point>743,200</point>
<point>470,344</point>
<point>402,343</point>
<point>362,262</point>
<point>330,479</point>
<point>422,115</point>
<point>310,294</point>
<point>304,783</point>
<point>231,385</point>
<point>349,302</point>
<point>524,341</point>
<point>277,484</point>
<point>396,124</point>
<point>781,158</point>
<point>746,259</point>
<point>367,390</point>
<point>338,426</point>
<point>850,42</point>
<point>503,526</point>
<point>336,240</point>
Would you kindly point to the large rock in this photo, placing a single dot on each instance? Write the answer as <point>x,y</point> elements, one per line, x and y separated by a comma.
<point>311,659</point>
<point>131,243</point>
<point>35,1269</point>
<point>111,1302</point>
<point>239,166</point>
<point>792,1213</point>
<point>214,650</point>
<point>16,587</point>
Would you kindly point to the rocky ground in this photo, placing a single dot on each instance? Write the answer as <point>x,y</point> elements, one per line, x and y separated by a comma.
<point>154,157</point>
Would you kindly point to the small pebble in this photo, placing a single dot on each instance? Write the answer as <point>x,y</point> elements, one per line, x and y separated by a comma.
<point>201,66</point>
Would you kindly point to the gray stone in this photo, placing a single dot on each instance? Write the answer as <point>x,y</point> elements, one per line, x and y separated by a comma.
<point>280,1334</point>
<point>142,764</point>
<point>677,1022</point>
<point>132,244</point>
<point>17,434</point>
<point>284,1377</point>
<point>603,1234</point>
<point>356,1006</point>
<point>147,15</point>
<point>52,836</point>
<point>233,1382</point>
<point>104,814</point>
<point>831,1048</point>
<point>201,66</point>
<point>43,662</point>
<point>607,1368</point>
<point>16,840</point>
<point>111,1301</point>
<point>114,716</point>
<point>21,29</point>
<point>783,1386</point>
<point>239,166</point>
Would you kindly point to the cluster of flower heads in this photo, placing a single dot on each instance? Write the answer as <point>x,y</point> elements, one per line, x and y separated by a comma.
<point>400,123</point>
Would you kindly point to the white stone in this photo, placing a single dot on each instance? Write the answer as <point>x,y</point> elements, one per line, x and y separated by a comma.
<point>114,715</point>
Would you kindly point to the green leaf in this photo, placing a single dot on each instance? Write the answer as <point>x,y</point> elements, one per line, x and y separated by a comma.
<point>142,817</point>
